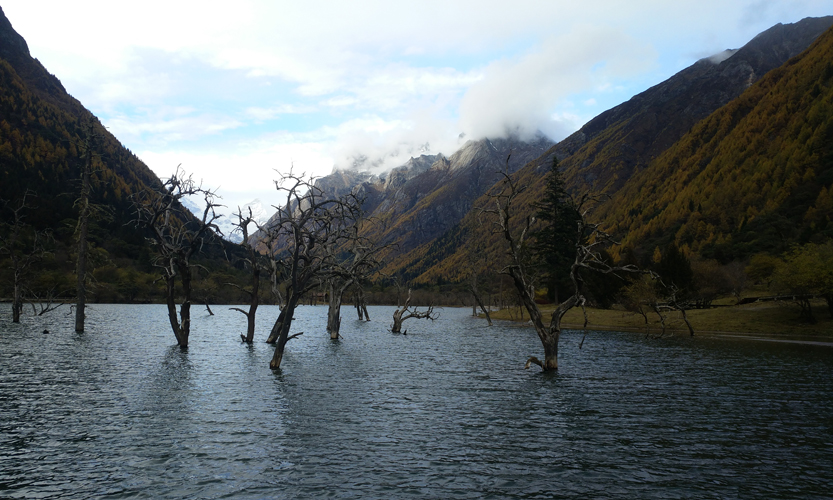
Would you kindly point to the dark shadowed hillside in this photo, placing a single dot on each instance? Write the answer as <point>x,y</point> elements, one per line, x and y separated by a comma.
<point>42,133</point>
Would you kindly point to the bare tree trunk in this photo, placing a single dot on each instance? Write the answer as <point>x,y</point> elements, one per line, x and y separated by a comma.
<point>185,308</point>
<point>478,300</point>
<point>83,222</point>
<point>17,303</point>
<point>399,316</point>
<point>173,318</point>
<point>397,321</point>
<point>661,318</point>
<point>334,319</point>
<point>283,331</point>
<point>276,328</point>
<point>361,304</point>
<point>334,309</point>
<point>253,305</point>
<point>551,351</point>
<point>687,322</point>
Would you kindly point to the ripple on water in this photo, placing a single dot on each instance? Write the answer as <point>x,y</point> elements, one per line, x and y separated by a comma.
<point>444,412</point>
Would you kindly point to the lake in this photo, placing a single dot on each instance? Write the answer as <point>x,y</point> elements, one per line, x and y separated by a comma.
<point>446,411</point>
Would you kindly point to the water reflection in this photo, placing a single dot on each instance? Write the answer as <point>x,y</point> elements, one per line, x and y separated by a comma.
<point>446,411</point>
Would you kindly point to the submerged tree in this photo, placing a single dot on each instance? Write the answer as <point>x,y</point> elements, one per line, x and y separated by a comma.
<point>478,299</point>
<point>82,230</point>
<point>477,266</point>
<point>254,261</point>
<point>23,245</point>
<point>177,237</point>
<point>351,259</point>
<point>405,312</point>
<point>303,232</point>
<point>587,238</point>
<point>360,301</point>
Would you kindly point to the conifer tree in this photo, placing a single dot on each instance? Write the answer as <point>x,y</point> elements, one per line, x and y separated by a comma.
<point>554,247</point>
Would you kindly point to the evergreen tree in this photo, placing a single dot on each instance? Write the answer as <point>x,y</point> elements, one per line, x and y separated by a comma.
<point>554,246</point>
<point>675,269</point>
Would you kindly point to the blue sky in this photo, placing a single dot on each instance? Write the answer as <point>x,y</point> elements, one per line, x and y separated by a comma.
<point>236,90</point>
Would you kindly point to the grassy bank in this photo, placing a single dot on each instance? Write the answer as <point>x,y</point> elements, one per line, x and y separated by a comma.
<point>770,318</point>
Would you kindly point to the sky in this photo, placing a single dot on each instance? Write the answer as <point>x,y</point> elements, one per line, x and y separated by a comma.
<point>237,92</point>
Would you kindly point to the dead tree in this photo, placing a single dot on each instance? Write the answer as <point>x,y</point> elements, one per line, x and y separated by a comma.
<point>405,312</point>
<point>473,288</point>
<point>47,303</point>
<point>360,302</point>
<point>177,237</point>
<point>673,304</point>
<point>302,230</point>
<point>348,272</point>
<point>254,262</point>
<point>82,230</point>
<point>24,246</point>
<point>589,239</point>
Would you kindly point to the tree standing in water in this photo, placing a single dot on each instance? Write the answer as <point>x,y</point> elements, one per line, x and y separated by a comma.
<point>23,246</point>
<point>405,312</point>
<point>177,237</point>
<point>351,260</point>
<point>82,231</point>
<point>301,231</point>
<point>254,261</point>
<point>587,239</point>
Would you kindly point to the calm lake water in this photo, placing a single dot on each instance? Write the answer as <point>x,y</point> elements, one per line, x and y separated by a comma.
<point>446,411</point>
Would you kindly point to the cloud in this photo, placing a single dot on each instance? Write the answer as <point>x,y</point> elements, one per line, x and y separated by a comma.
<point>520,95</point>
<point>168,125</point>
<point>238,90</point>
<point>264,114</point>
<point>244,171</point>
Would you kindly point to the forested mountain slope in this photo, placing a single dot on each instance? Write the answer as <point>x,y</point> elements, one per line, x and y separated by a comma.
<point>606,151</point>
<point>754,176</point>
<point>665,198</point>
<point>42,134</point>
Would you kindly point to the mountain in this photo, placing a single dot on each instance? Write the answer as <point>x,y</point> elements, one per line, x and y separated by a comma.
<point>43,137</point>
<point>42,133</point>
<point>606,151</point>
<point>428,196</point>
<point>756,175</point>
<point>648,156</point>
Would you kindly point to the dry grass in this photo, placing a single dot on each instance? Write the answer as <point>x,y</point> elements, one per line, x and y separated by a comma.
<point>771,318</point>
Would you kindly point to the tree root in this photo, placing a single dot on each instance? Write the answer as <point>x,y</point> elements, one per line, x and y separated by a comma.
<point>531,360</point>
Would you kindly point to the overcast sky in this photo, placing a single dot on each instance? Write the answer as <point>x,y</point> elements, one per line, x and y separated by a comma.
<point>237,89</point>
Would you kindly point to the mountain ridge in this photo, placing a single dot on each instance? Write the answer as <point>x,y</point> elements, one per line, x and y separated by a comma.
<point>619,129</point>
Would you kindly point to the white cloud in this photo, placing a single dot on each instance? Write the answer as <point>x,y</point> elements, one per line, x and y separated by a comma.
<point>168,125</point>
<point>519,95</point>
<point>263,114</point>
